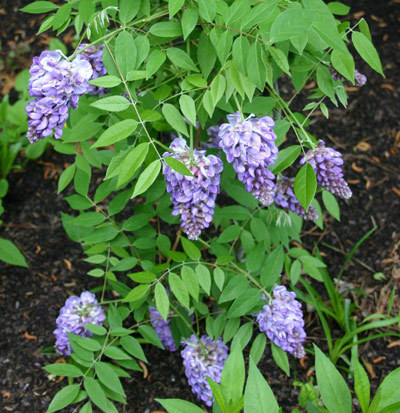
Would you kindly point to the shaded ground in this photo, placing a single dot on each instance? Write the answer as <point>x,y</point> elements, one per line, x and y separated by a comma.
<point>368,132</point>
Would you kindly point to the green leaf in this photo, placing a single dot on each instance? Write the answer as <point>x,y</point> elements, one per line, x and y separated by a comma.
<point>63,369</point>
<point>244,303</point>
<point>88,219</point>
<point>179,406</point>
<point>389,391</point>
<point>280,59</point>
<point>61,16</point>
<point>343,63</point>
<point>281,358</point>
<point>174,118</point>
<point>219,278</point>
<point>217,393</point>
<point>128,9</point>
<point>86,10</point>
<point>256,67</point>
<point>116,133</point>
<point>367,51</point>
<point>206,55</point>
<point>125,52</point>
<point>361,385</point>
<point>111,104</point>
<point>116,353</point>
<point>136,293</point>
<point>229,234</point>
<point>233,375</point>
<point>154,62</point>
<point>148,333</point>
<point>189,21</point>
<point>162,300</point>
<point>258,396</point>
<point>38,7</point>
<point>87,343</point>
<point>218,86</point>
<point>106,81</point>
<point>181,59</point>
<point>95,393</point>
<point>305,185</point>
<point>177,166</point>
<point>147,177</point>
<point>174,6</point>
<point>240,50</point>
<point>132,162</point>
<point>66,177</point>
<point>258,347</point>
<point>143,48</point>
<point>166,29</point>
<point>334,391</point>
<point>272,268</point>
<point>108,377</point>
<point>286,157</point>
<point>188,108</point>
<point>190,280</point>
<point>204,277</point>
<point>96,329</point>
<point>207,9</point>
<point>132,346</point>
<point>190,248</point>
<point>292,23</point>
<point>10,254</point>
<point>325,81</point>
<point>338,8</point>
<point>78,202</point>
<point>64,397</point>
<point>331,204</point>
<point>179,289</point>
<point>208,102</point>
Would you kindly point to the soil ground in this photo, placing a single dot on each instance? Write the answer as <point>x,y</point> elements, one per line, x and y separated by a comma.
<point>368,133</point>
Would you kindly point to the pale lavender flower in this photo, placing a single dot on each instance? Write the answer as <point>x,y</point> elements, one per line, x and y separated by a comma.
<point>203,361</point>
<point>55,84</point>
<point>285,198</point>
<point>162,329</point>
<point>250,146</point>
<point>327,163</point>
<point>194,196</point>
<point>76,312</point>
<point>282,321</point>
<point>213,142</point>
<point>94,55</point>
<point>359,78</point>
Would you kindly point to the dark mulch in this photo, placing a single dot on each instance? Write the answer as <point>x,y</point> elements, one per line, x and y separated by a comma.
<point>368,132</point>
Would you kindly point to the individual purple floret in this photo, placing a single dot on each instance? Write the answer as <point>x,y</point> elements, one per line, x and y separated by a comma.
<point>285,198</point>
<point>76,312</point>
<point>250,146</point>
<point>203,361</point>
<point>213,142</point>
<point>55,84</point>
<point>162,329</point>
<point>282,321</point>
<point>194,196</point>
<point>327,163</point>
<point>94,55</point>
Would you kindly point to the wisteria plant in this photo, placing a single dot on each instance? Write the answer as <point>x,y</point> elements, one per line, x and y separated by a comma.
<point>206,177</point>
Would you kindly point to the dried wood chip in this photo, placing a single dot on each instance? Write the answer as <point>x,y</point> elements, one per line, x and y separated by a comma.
<point>363,146</point>
<point>395,190</point>
<point>38,249</point>
<point>393,344</point>
<point>358,14</point>
<point>356,168</point>
<point>378,359</point>
<point>68,264</point>
<point>368,183</point>
<point>30,336</point>
<point>370,369</point>
<point>353,181</point>
<point>303,362</point>
<point>352,89</point>
<point>144,368</point>
<point>6,395</point>
<point>387,86</point>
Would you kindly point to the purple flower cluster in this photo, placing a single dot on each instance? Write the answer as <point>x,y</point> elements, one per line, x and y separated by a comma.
<point>282,321</point>
<point>250,146</point>
<point>76,312</point>
<point>94,55</point>
<point>359,78</point>
<point>55,84</point>
<point>162,329</point>
<point>285,198</point>
<point>194,196</point>
<point>202,361</point>
<point>327,163</point>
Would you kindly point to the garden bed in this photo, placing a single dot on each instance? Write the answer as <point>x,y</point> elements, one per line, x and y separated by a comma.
<point>368,133</point>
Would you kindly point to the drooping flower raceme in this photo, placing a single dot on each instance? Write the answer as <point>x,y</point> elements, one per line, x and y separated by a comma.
<point>203,361</point>
<point>250,146</point>
<point>94,55</point>
<point>76,312</point>
<point>55,84</point>
<point>162,329</point>
<point>327,163</point>
<point>194,196</point>
<point>282,321</point>
<point>285,198</point>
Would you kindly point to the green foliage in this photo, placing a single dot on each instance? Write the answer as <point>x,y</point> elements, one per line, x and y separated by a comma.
<point>181,67</point>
